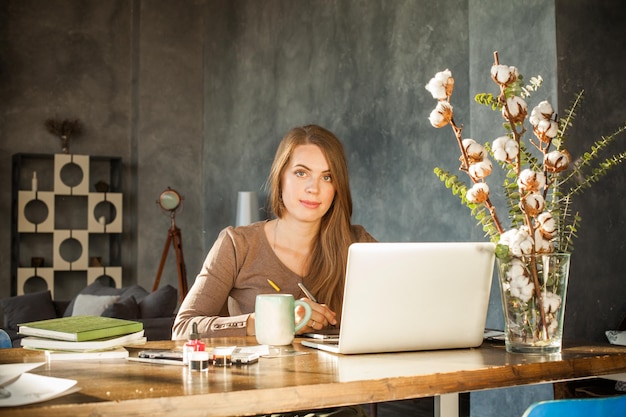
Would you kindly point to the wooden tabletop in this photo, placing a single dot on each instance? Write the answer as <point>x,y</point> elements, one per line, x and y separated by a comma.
<point>312,379</point>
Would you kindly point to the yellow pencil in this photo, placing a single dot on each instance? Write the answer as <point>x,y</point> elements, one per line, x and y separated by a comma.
<point>273,284</point>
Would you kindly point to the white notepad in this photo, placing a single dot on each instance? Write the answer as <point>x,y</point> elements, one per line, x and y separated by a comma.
<point>413,296</point>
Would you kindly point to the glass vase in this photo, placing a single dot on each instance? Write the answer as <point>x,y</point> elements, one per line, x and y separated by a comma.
<point>533,290</point>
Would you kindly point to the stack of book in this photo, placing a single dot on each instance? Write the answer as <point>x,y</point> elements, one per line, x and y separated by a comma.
<point>82,337</point>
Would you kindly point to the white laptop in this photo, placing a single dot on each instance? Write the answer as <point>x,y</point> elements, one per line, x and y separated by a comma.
<point>413,296</point>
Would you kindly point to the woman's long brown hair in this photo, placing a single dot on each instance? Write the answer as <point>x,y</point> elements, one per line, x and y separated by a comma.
<point>327,263</point>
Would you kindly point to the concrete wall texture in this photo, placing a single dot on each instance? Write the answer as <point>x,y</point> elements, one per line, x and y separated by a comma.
<point>196,94</point>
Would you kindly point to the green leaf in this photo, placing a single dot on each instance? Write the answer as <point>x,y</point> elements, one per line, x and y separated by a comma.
<point>502,251</point>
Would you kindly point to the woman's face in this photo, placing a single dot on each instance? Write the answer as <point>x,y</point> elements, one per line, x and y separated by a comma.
<point>307,188</point>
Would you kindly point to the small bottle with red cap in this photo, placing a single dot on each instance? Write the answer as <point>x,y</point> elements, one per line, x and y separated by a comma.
<point>194,344</point>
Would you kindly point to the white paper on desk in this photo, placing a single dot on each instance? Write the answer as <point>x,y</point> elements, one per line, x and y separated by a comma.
<point>11,371</point>
<point>266,351</point>
<point>616,337</point>
<point>32,388</point>
<point>96,355</point>
<point>260,349</point>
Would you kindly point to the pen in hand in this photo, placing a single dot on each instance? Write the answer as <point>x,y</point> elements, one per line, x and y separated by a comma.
<point>306,292</point>
<point>310,296</point>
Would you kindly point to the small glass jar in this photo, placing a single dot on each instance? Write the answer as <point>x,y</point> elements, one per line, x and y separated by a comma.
<point>222,356</point>
<point>198,361</point>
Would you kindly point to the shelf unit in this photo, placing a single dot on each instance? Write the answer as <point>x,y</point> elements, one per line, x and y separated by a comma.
<point>66,223</point>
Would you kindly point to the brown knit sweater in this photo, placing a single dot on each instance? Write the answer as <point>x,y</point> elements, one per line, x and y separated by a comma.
<point>235,270</point>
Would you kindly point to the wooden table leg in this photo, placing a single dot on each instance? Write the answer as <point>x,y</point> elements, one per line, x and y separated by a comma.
<point>447,405</point>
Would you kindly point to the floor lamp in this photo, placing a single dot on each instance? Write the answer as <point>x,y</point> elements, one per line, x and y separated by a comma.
<point>170,201</point>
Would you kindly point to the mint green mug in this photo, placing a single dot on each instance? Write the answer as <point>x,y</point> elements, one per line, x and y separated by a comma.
<point>275,318</point>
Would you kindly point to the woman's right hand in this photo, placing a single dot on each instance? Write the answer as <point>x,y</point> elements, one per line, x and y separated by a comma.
<point>321,316</point>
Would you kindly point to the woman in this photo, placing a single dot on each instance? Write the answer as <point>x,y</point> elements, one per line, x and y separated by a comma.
<point>307,242</point>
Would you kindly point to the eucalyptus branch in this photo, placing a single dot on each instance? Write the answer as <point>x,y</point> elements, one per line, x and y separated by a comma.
<point>588,158</point>
<point>597,173</point>
<point>567,229</point>
<point>568,120</point>
<point>459,189</point>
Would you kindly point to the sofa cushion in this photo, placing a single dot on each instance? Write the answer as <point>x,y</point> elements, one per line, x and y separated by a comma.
<point>126,308</point>
<point>136,291</point>
<point>26,308</point>
<point>95,288</point>
<point>160,303</point>
<point>92,305</point>
<point>159,328</point>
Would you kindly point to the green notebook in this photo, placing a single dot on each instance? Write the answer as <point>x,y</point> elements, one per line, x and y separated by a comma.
<point>80,328</point>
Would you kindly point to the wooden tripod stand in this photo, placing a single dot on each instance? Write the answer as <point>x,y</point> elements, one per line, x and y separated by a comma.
<point>174,238</point>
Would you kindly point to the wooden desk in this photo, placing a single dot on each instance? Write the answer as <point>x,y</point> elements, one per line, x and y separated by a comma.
<point>313,380</point>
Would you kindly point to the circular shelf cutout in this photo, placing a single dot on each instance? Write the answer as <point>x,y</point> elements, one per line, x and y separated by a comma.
<point>36,211</point>
<point>71,174</point>
<point>35,284</point>
<point>71,250</point>
<point>105,212</point>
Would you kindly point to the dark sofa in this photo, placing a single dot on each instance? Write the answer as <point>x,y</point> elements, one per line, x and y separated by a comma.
<point>156,310</point>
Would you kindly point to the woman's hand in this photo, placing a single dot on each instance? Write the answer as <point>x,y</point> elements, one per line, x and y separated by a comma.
<point>250,329</point>
<point>321,316</point>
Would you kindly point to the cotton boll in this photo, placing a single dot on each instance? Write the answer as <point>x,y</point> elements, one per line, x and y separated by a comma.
<point>546,225</point>
<point>530,180</point>
<point>532,204</point>
<point>557,161</point>
<point>504,149</point>
<point>525,241</point>
<point>542,245</point>
<point>516,269</point>
<point>474,150</point>
<point>518,241</point>
<point>479,193</point>
<point>480,170</point>
<point>522,288</point>
<point>441,115</point>
<point>546,129</point>
<point>517,109</point>
<point>504,74</point>
<point>441,85</point>
<point>551,302</point>
<point>552,327</point>
<point>545,109</point>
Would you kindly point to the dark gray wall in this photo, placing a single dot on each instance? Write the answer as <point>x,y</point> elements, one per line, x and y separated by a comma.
<point>66,59</point>
<point>358,70</point>
<point>591,45</point>
<point>132,72</point>
<point>168,132</point>
<point>197,97</point>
